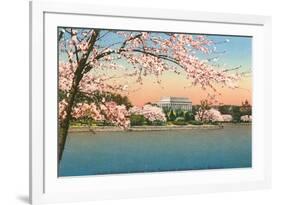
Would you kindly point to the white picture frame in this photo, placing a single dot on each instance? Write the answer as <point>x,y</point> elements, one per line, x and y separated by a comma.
<point>46,187</point>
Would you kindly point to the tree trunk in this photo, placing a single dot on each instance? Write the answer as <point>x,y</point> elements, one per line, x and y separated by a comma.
<point>64,125</point>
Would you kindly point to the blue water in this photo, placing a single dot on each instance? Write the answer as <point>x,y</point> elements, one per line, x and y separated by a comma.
<point>131,152</point>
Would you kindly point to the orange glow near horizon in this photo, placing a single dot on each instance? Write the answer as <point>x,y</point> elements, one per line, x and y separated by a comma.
<point>179,86</point>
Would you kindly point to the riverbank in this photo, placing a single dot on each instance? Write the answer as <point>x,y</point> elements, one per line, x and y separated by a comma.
<point>144,128</point>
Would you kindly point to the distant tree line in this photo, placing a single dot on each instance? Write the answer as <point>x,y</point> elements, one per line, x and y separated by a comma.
<point>236,111</point>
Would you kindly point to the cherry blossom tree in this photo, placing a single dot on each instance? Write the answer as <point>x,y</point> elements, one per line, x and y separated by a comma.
<point>211,115</point>
<point>246,118</point>
<point>227,118</point>
<point>89,57</point>
<point>151,113</point>
<point>201,114</point>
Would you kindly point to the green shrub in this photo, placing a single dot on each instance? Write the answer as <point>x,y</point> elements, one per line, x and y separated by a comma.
<point>169,123</point>
<point>193,122</point>
<point>172,116</point>
<point>178,119</point>
<point>104,123</point>
<point>137,120</point>
<point>214,123</point>
<point>158,122</point>
<point>188,116</point>
<point>179,123</point>
<point>179,113</point>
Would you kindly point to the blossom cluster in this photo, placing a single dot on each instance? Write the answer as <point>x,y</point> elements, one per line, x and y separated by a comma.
<point>109,111</point>
<point>116,114</point>
<point>246,118</point>
<point>227,118</point>
<point>151,113</point>
<point>212,115</point>
<point>87,110</point>
<point>175,53</point>
<point>66,74</point>
<point>62,109</point>
<point>89,83</point>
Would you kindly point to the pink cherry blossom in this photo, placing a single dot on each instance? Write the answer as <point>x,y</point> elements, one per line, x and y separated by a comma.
<point>84,47</point>
<point>87,110</point>
<point>152,113</point>
<point>211,115</point>
<point>227,118</point>
<point>116,114</point>
<point>246,118</point>
<point>62,111</point>
<point>110,111</point>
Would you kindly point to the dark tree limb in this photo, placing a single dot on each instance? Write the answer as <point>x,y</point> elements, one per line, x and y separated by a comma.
<point>64,125</point>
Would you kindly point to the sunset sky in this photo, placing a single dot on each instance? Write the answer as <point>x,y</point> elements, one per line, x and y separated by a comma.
<point>231,52</point>
<point>228,52</point>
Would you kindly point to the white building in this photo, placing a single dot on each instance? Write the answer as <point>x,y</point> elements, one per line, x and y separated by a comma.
<point>174,103</point>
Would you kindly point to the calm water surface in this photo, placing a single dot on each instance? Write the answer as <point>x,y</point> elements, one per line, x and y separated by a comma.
<point>127,152</point>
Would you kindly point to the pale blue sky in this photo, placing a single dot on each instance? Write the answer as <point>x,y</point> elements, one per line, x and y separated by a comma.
<point>232,51</point>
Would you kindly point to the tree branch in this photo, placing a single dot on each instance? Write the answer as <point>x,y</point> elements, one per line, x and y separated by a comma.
<point>75,46</point>
<point>236,68</point>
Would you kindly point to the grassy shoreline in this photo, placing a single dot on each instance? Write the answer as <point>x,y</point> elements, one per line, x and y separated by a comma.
<point>150,128</point>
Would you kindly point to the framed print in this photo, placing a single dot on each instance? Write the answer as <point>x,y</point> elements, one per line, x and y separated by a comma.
<point>129,102</point>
